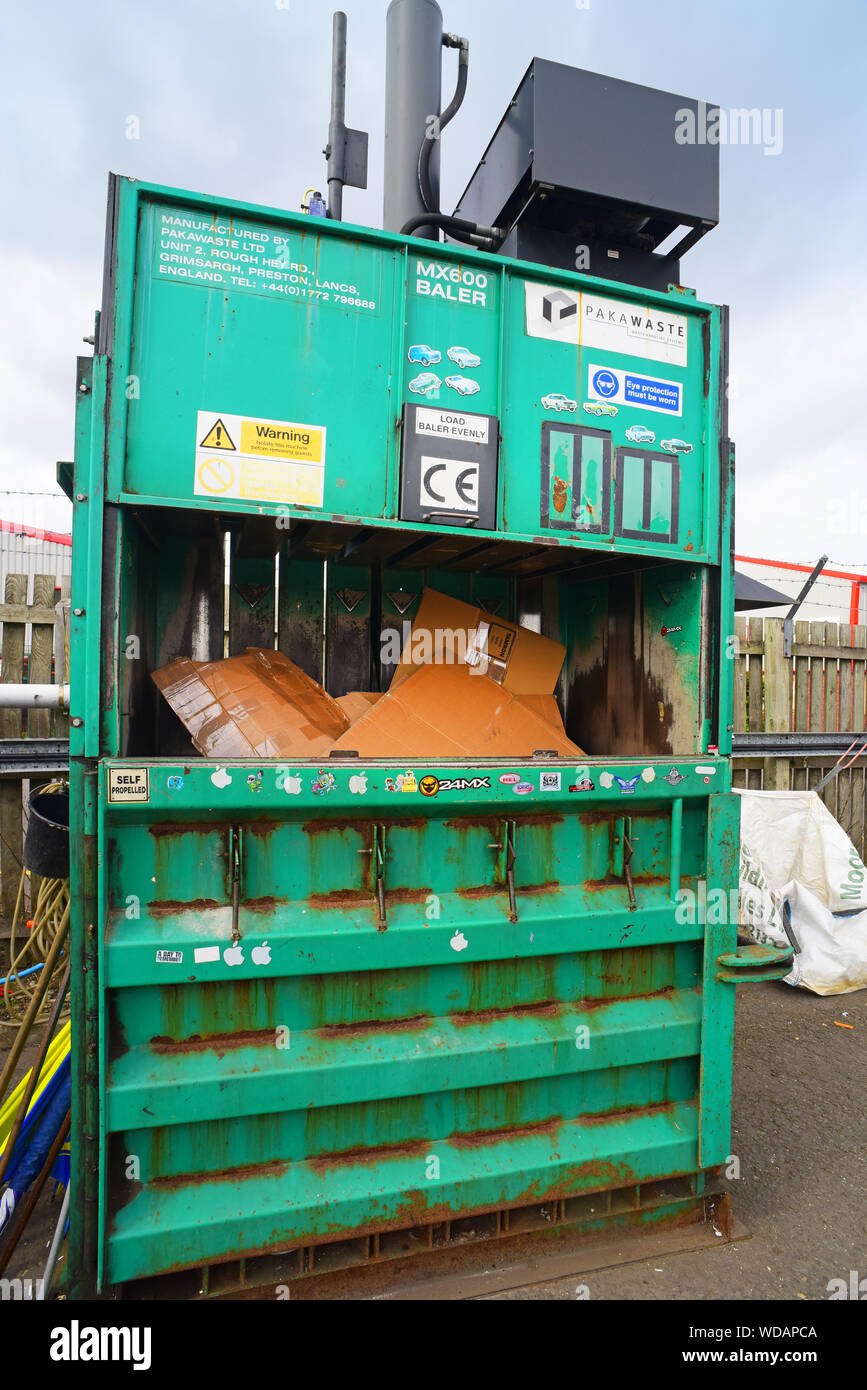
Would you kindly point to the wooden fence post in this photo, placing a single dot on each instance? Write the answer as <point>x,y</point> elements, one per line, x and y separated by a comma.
<point>11,829</point>
<point>778,702</point>
<point>61,653</point>
<point>41,654</point>
<point>39,672</point>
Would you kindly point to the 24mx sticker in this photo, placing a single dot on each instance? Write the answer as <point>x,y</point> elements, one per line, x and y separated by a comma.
<point>464,784</point>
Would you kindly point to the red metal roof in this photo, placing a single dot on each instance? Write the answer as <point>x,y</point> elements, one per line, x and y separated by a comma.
<point>802,569</point>
<point>18,528</point>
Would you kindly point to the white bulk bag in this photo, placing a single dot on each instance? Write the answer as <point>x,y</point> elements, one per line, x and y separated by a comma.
<point>793,849</point>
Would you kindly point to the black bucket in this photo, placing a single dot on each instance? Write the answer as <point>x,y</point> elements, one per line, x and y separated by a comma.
<point>46,844</point>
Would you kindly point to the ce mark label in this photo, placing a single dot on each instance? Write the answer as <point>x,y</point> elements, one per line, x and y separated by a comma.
<point>448,467</point>
<point>450,485</point>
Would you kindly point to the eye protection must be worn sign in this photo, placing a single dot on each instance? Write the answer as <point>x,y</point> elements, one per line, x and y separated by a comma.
<point>634,389</point>
<point>254,459</point>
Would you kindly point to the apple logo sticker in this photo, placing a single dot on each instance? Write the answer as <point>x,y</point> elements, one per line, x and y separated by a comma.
<point>292,786</point>
<point>261,954</point>
<point>358,784</point>
<point>606,780</point>
<point>648,775</point>
<point>233,955</point>
<point>221,778</point>
<point>459,942</point>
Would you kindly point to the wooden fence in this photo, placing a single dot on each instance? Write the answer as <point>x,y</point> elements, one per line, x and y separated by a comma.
<point>41,660</point>
<point>820,688</point>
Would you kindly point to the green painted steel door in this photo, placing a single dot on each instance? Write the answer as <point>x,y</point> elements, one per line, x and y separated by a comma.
<point>426,1004</point>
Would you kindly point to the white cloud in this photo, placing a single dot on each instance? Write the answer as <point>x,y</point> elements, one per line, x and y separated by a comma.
<point>233,100</point>
<point>46,309</point>
<point>797,419</point>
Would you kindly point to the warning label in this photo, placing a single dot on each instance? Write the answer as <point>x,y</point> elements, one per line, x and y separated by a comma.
<point>215,475</point>
<point>217,438</point>
<point>500,640</point>
<point>259,460</point>
<point>281,441</point>
<point>128,784</point>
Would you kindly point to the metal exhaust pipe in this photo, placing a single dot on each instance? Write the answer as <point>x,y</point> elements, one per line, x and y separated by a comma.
<point>413,97</point>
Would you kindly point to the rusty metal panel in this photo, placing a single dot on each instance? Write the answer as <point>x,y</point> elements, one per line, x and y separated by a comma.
<point>303,1073</point>
<point>348,639</point>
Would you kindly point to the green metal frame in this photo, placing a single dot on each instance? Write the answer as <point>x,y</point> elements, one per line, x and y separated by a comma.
<point>134,318</point>
<point>491,998</point>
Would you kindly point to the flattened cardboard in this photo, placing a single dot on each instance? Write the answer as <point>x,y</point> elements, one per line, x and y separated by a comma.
<point>519,660</point>
<point>484,692</point>
<point>357,703</point>
<point>546,707</point>
<point>257,705</point>
<point>451,711</point>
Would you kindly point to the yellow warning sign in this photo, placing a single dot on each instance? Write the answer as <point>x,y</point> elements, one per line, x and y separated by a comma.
<point>245,458</point>
<point>279,480</point>
<point>301,443</point>
<point>216,475</point>
<point>217,437</point>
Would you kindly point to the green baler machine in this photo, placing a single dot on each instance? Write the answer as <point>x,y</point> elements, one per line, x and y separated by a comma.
<point>323,1017</point>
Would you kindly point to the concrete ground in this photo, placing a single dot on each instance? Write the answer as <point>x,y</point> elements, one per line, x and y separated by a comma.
<point>800,1132</point>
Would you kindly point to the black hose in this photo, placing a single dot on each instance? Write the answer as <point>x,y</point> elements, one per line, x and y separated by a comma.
<point>457,227</point>
<point>425,154</point>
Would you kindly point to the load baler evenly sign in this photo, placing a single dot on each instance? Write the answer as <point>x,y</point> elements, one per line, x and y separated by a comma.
<point>449,467</point>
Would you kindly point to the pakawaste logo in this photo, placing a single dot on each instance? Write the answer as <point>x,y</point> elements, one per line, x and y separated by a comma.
<point>618,326</point>
<point>637,321</point>
<point>567,315</point>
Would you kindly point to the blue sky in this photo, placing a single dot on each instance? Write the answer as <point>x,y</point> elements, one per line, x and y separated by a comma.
<point>232,99</point>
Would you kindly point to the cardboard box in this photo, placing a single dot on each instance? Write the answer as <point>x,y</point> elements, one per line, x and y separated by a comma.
<point>448,631</point>
<point>468,685</point>
<point>258,705</point>
<point>357,703</point>
<point>479,688</point>
<point>447,712</point>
